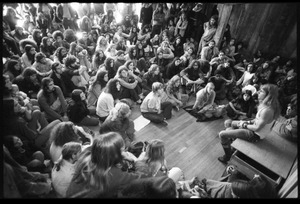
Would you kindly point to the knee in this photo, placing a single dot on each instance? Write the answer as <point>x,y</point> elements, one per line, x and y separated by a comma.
<point>227,123</point>
<point>39,156</point>
<point>175,174</point>
<point>222,134</point>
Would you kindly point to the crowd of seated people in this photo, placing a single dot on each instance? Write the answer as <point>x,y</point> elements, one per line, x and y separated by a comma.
<point>65,69</point>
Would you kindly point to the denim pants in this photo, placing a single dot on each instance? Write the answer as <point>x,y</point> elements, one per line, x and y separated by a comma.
<point>231,133</point>
<point>166,108</point>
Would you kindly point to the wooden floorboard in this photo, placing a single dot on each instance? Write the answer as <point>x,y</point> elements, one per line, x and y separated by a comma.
<point>192,146</point>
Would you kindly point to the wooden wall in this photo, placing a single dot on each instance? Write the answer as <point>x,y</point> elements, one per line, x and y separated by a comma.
<point>271,27</point>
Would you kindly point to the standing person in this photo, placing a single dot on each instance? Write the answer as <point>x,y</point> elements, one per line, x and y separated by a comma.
<point>210,29</point>
<point>152,108</point>
<point>181,26</point>
<point>158,19</point>
<point>258,128</point>
<point>52,101</point>
<point>198,18</point>
<point>146,14</point>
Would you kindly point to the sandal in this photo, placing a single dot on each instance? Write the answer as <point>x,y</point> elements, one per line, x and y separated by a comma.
<point>230,169</point>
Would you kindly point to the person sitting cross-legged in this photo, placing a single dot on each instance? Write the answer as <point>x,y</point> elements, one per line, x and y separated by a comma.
<point>152,108</point>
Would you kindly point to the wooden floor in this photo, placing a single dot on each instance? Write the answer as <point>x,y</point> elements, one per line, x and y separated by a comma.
<point>192,146</point>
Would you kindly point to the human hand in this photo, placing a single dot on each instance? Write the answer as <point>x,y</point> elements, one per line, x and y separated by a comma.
<point>195,192</point>
<point>65,118</point>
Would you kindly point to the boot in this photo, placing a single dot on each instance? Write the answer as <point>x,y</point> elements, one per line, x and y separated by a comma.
<point>224,159</point>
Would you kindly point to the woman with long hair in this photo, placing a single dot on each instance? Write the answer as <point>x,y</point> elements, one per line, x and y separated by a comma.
<point>102,44</point>
<point>241,107</point>
<point>118,121</point>
<point>174,68</point>
<point>152,162</point>
<point>28,82</point>
<point>47,48</point>
<point>63,133</point>
<point>173,94</point>
<point>96,88</point>
<point>12,68</point>
<point>260,127</point>
<point>210,29</point>
<point>129,87</point>
<point>78,112</point>
<point>151,76</point>
<point>107,99</point>
<point>97,60</point>
<point>158,19</point>
<point>97,174</point>
<point>59,54</point>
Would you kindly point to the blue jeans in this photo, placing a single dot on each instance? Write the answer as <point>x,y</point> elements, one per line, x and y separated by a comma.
<point>231,133</point>
<point>166,108</point>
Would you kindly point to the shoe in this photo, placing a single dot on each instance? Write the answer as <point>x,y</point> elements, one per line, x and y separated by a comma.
<point>164,123</point>
<point>230,169</point>
<point>223,159</point>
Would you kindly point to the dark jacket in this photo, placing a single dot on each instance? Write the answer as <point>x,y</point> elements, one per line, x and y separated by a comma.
<point>77,112</point>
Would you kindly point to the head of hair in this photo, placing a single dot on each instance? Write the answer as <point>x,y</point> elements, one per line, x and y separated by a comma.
<point>105,153</point>
<point>263,187</point>
<point>120,111</point>
<point>39,56</point>
<point>111,87</point>
<point>27,41</point>
<point>54,66</point>
<point>99,79</point>
<point>174,79</point>
<point>108,61</point>
<point>10,66</point>
<point>8,141</point>
<point>28,72</point>
<point>156,86</point>
<point>70,59</point>
<point>27,49</point>
<point>76,95</point>
<point>153,68</point>
<point>155,151</point>
<point>57,33</point>
<point>271,98</point>
<point>68,35</point>
<point>243,189</point>
<point>6,91</point>
<point>62,133</point>
<point>67,152</point>
<point>120,69</point>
